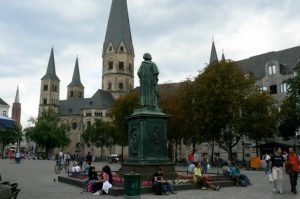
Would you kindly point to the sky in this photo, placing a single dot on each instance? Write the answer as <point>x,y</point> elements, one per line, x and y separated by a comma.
<point>177,33</point>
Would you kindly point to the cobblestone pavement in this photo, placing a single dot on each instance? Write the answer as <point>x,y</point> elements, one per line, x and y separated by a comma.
<point>36,179</point>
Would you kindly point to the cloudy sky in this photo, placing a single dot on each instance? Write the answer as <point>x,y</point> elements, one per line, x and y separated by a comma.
<point>177,33</point>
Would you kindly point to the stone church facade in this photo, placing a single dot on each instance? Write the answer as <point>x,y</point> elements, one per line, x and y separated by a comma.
<point>117,79</point>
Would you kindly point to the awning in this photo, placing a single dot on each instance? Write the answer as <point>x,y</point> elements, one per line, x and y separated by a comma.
<point>6,122</point>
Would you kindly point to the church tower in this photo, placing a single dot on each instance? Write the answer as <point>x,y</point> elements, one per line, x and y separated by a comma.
<point>49,93</point>
<point>16,109</point>
<point>118,52</point>
<point>75,88</point>
<point>213,54</point>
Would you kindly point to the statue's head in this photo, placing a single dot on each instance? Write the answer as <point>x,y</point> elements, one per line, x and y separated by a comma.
<point>147,56</point>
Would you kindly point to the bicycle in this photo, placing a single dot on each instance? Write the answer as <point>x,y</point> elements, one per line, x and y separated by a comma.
<point>59,167</point>
<point>14,160</point>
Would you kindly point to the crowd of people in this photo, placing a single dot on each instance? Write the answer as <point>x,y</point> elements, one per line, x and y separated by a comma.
<point>280,162</point>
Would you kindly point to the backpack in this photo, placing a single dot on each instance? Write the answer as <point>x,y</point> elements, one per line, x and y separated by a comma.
<point>90,187</point>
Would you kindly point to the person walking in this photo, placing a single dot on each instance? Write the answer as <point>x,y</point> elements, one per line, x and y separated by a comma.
<point>292,168</point>
<point>276,169</point>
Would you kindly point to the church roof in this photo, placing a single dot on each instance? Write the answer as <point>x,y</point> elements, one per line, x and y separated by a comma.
<point>51,74</point>
<point>101,99</point>
<point>118,27</point>
<point>213,54</point>
<point>256,64</point>
<point>2,102</point>
<point>76,76</point>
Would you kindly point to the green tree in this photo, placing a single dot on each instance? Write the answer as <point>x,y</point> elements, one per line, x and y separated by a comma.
<point>171,104</point>
<point>290,109</point>
<point>219,93</point>
<point>48,132</point>
<point>121,110</point>
<point>289,121</point>
<point>10,136</point>
<point>98,134</point>
<point>259,117</point>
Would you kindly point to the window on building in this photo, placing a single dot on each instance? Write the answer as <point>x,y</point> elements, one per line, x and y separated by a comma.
<point>283,88</point>
<point>71,94</point>
<point>46,87</point>
<point>273,89</point>
<point>121,86</point>
<point>130,67</point>
<point>45,101</point>
<point>121,65</point>
<point>88,114</point>
<point>79,94</point>
<point>110,49</point>
<point>110,65</point>
<point>98,113</point>
<point>4,113</point>
<point>121,48</point>
<point>74,125</point>
<point>272,70</point>
<point>263,89</point>
<point>109,87</point>
<point>54,88</point>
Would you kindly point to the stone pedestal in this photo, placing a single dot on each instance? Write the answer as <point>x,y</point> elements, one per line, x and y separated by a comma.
<point>147,144</point>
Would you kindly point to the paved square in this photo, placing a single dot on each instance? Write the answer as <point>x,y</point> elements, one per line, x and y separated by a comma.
<point>36,179</point>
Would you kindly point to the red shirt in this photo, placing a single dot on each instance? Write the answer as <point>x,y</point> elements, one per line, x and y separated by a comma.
<point>293,159</point>
<point>190,157</point>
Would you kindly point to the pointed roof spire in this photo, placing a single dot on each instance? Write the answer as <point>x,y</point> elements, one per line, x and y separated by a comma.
<point>213,53</point>
<point>51,74</point>
<point>118,27</point>
<point>17,98</point>
<point>223,56</point>
<point>76,76</point>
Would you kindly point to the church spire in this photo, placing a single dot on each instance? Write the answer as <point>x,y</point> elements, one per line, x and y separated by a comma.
<point>16,109</point>
<point>75,88</point>
<point>223,56</point>
<point>76,76</point>
<point>118,28</point>
<point>51,74</point>
<point>17,98</point>
<point>213,54</point>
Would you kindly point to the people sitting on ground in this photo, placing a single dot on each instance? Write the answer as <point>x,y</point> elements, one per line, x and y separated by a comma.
<point>238,178</point>
<point>226,170</point>
<point>88,183</point>
<point>191,168</point>
<point>202,180</point>
<point>75,168</point>
<point>104,183</point>
<point>160,185</point>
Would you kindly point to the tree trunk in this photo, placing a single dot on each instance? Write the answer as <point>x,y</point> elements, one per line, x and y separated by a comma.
<point>230,152</point>
<point>256,147</point>
<point>212,152</point>
<point>194,144</point>
<point>3,152</point>
<point>101,152</point>
<point>176,152</point>
<point>122,153</point>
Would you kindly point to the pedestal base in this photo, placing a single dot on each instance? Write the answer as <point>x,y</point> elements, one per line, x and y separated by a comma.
<point>147,170</point>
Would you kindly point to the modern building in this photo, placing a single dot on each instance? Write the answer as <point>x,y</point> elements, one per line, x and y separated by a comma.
<point>117,79</point>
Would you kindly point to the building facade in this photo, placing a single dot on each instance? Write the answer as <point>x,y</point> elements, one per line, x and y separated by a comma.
<point>4,107</point>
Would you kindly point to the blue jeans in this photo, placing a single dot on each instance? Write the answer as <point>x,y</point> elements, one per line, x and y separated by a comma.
<point>268,168</point>
<point>293,180</point>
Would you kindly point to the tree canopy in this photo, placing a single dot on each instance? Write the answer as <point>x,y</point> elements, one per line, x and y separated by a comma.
<point>10,136</point>
<point>48,132</point>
